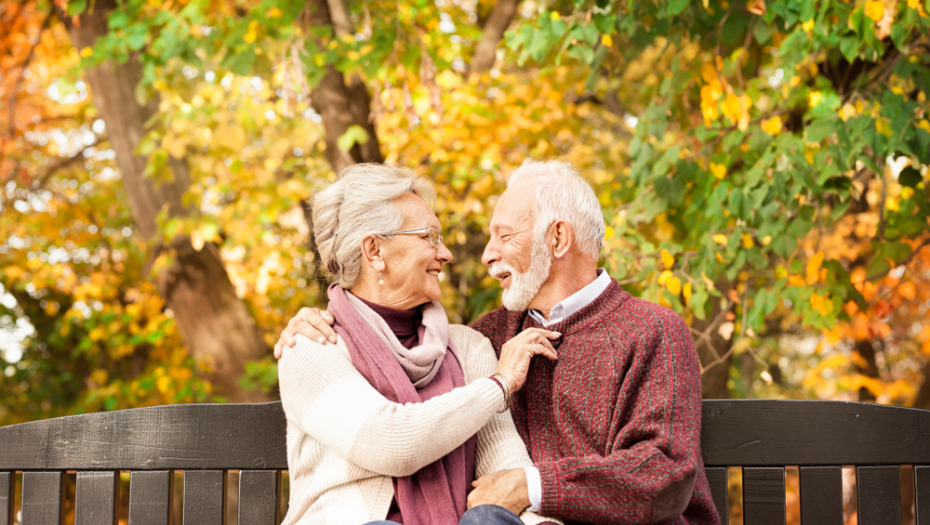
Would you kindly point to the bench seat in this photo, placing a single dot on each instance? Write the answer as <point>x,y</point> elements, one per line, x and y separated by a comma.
<point>205,441</point>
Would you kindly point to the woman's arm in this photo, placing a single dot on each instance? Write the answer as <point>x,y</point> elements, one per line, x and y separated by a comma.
<point>499,445</point>
<point>331,401</point>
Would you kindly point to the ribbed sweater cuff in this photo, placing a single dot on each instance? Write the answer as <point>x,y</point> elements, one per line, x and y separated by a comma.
<point>551,498</point>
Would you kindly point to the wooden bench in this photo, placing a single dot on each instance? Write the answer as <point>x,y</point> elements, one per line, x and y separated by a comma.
<point>206,441</point>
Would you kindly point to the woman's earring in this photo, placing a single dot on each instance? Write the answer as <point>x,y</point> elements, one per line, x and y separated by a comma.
<point>381,279</point>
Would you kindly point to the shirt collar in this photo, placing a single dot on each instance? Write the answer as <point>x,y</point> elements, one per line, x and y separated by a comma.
<point>575,302</point>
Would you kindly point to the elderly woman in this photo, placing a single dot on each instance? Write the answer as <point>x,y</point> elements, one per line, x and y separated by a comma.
<point>395,420</point>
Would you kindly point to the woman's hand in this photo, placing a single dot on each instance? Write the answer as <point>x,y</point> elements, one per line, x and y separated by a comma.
<point>515,356</point>
<point>312,323</point>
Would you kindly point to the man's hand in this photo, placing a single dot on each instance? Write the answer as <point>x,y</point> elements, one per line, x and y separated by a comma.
<point>506,488</point>
<point>312,323</point>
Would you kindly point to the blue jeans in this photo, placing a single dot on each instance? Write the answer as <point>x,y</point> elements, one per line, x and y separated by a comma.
<point>480,515</point>
<point>489,515</point>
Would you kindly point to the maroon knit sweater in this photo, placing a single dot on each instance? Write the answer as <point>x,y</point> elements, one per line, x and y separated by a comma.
<point>616,421</point>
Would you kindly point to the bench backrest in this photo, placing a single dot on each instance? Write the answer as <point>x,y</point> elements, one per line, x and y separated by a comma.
<point>205,441</point>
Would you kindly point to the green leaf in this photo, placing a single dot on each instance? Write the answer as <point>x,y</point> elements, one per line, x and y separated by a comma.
<point>677,6</point>
<point>354,135</point>
<point>849,47</point>
<point>910,177</point>
<point>76,7</point>
<point>586,33</point>
<point>784,245</point>
<point>582,53</point>
<point>605,23</point>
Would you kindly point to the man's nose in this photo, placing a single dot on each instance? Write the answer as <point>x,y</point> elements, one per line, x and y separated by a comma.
<point>491,254</point>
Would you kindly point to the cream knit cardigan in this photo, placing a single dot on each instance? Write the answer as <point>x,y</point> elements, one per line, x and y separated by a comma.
<point>345,441</point>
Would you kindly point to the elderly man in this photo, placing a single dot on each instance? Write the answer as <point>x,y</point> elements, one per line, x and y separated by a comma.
<point>613,427</point>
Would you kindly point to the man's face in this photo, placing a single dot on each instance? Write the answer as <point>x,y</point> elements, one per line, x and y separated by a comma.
<point>520,264</point>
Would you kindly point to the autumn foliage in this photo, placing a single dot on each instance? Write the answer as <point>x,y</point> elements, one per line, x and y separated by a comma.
<point>762,166</point>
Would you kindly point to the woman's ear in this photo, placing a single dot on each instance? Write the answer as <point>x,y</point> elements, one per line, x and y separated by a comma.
<point>372,252</point>
<point>561,238</point>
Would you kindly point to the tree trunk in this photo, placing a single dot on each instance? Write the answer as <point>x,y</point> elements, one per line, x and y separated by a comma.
<point>339,104</point>
<point>867,352</point>
<point>493,31</point>
<point>214,323</point>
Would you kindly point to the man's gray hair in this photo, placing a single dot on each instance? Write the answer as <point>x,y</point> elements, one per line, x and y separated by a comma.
<point>358,204</point>
<point>561,194</point>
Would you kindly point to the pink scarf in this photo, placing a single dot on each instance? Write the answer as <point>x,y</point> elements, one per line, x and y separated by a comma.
<point>437,493</point>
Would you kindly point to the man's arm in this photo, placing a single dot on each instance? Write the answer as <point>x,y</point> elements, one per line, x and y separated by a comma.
<point>312,323</point>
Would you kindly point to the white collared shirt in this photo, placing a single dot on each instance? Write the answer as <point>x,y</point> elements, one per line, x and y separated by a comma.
<point>575,302</point>
<point>565,309</point>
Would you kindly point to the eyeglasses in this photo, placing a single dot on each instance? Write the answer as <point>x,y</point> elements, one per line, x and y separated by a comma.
<point>433,234</point>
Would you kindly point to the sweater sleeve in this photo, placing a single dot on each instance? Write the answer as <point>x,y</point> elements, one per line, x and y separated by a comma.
<point>499,445</point>
<point>649,472</point>
<point>330,400</point>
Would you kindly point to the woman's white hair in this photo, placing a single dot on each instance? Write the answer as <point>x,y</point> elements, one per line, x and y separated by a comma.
<point>358,204</point>
<point>561,194</point>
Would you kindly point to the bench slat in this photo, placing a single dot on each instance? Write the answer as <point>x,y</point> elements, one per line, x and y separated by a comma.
<point>717,479</point>
<point>168,437</point>
<point>258,497</point>
<point>150,497</point>
<point>821,495</point>
<point>43,498</point>
<point>95,498</point>
<point>879,491</point>
<point>764,496</point>
<point>922,493</point>
<point>6,498</point>
<point>765,432</point>
<point>204,497</point>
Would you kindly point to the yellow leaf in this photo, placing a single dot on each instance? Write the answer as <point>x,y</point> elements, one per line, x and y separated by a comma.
<point>822,304</point>
<point>808,26</point>
<point>813,98</point>
<point>609,233</point>
<point>874,10</point>
<point>97,334</point>
<point>86,52</point>
<point>813,267</point>
<point>708,72</point>
<point>747,241</point>
<point>707,281</point>
<point>766,240</point>
<point>607,41</point>
<point>892,204</point>
<point>664,276</point>
<point>794,81</point>
<point>719,170</point>
<point>796,280</point>
<point>847,111</point>
<point>720,239</point>
<point>924,125</point>
<point>674,285</point>
<point>274,12</point>
<point>668,260</point>
<point>686,291</point>
<point>719,257</point>
<point>907,192</point>
<point>772,126</point>
<point>99,376</point>
<point>164,383</point>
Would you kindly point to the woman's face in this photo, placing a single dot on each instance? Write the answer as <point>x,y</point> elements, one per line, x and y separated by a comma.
<point>412,265</point>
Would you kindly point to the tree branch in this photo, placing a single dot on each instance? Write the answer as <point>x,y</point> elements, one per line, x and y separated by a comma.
<point>486,48</point>
<point>904,262</point>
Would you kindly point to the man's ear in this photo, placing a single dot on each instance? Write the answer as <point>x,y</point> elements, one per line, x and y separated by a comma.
<point>561,238</point>
<point>373,252</point>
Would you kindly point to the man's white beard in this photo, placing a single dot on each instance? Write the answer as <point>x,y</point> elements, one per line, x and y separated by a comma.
<point>524,286</point>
